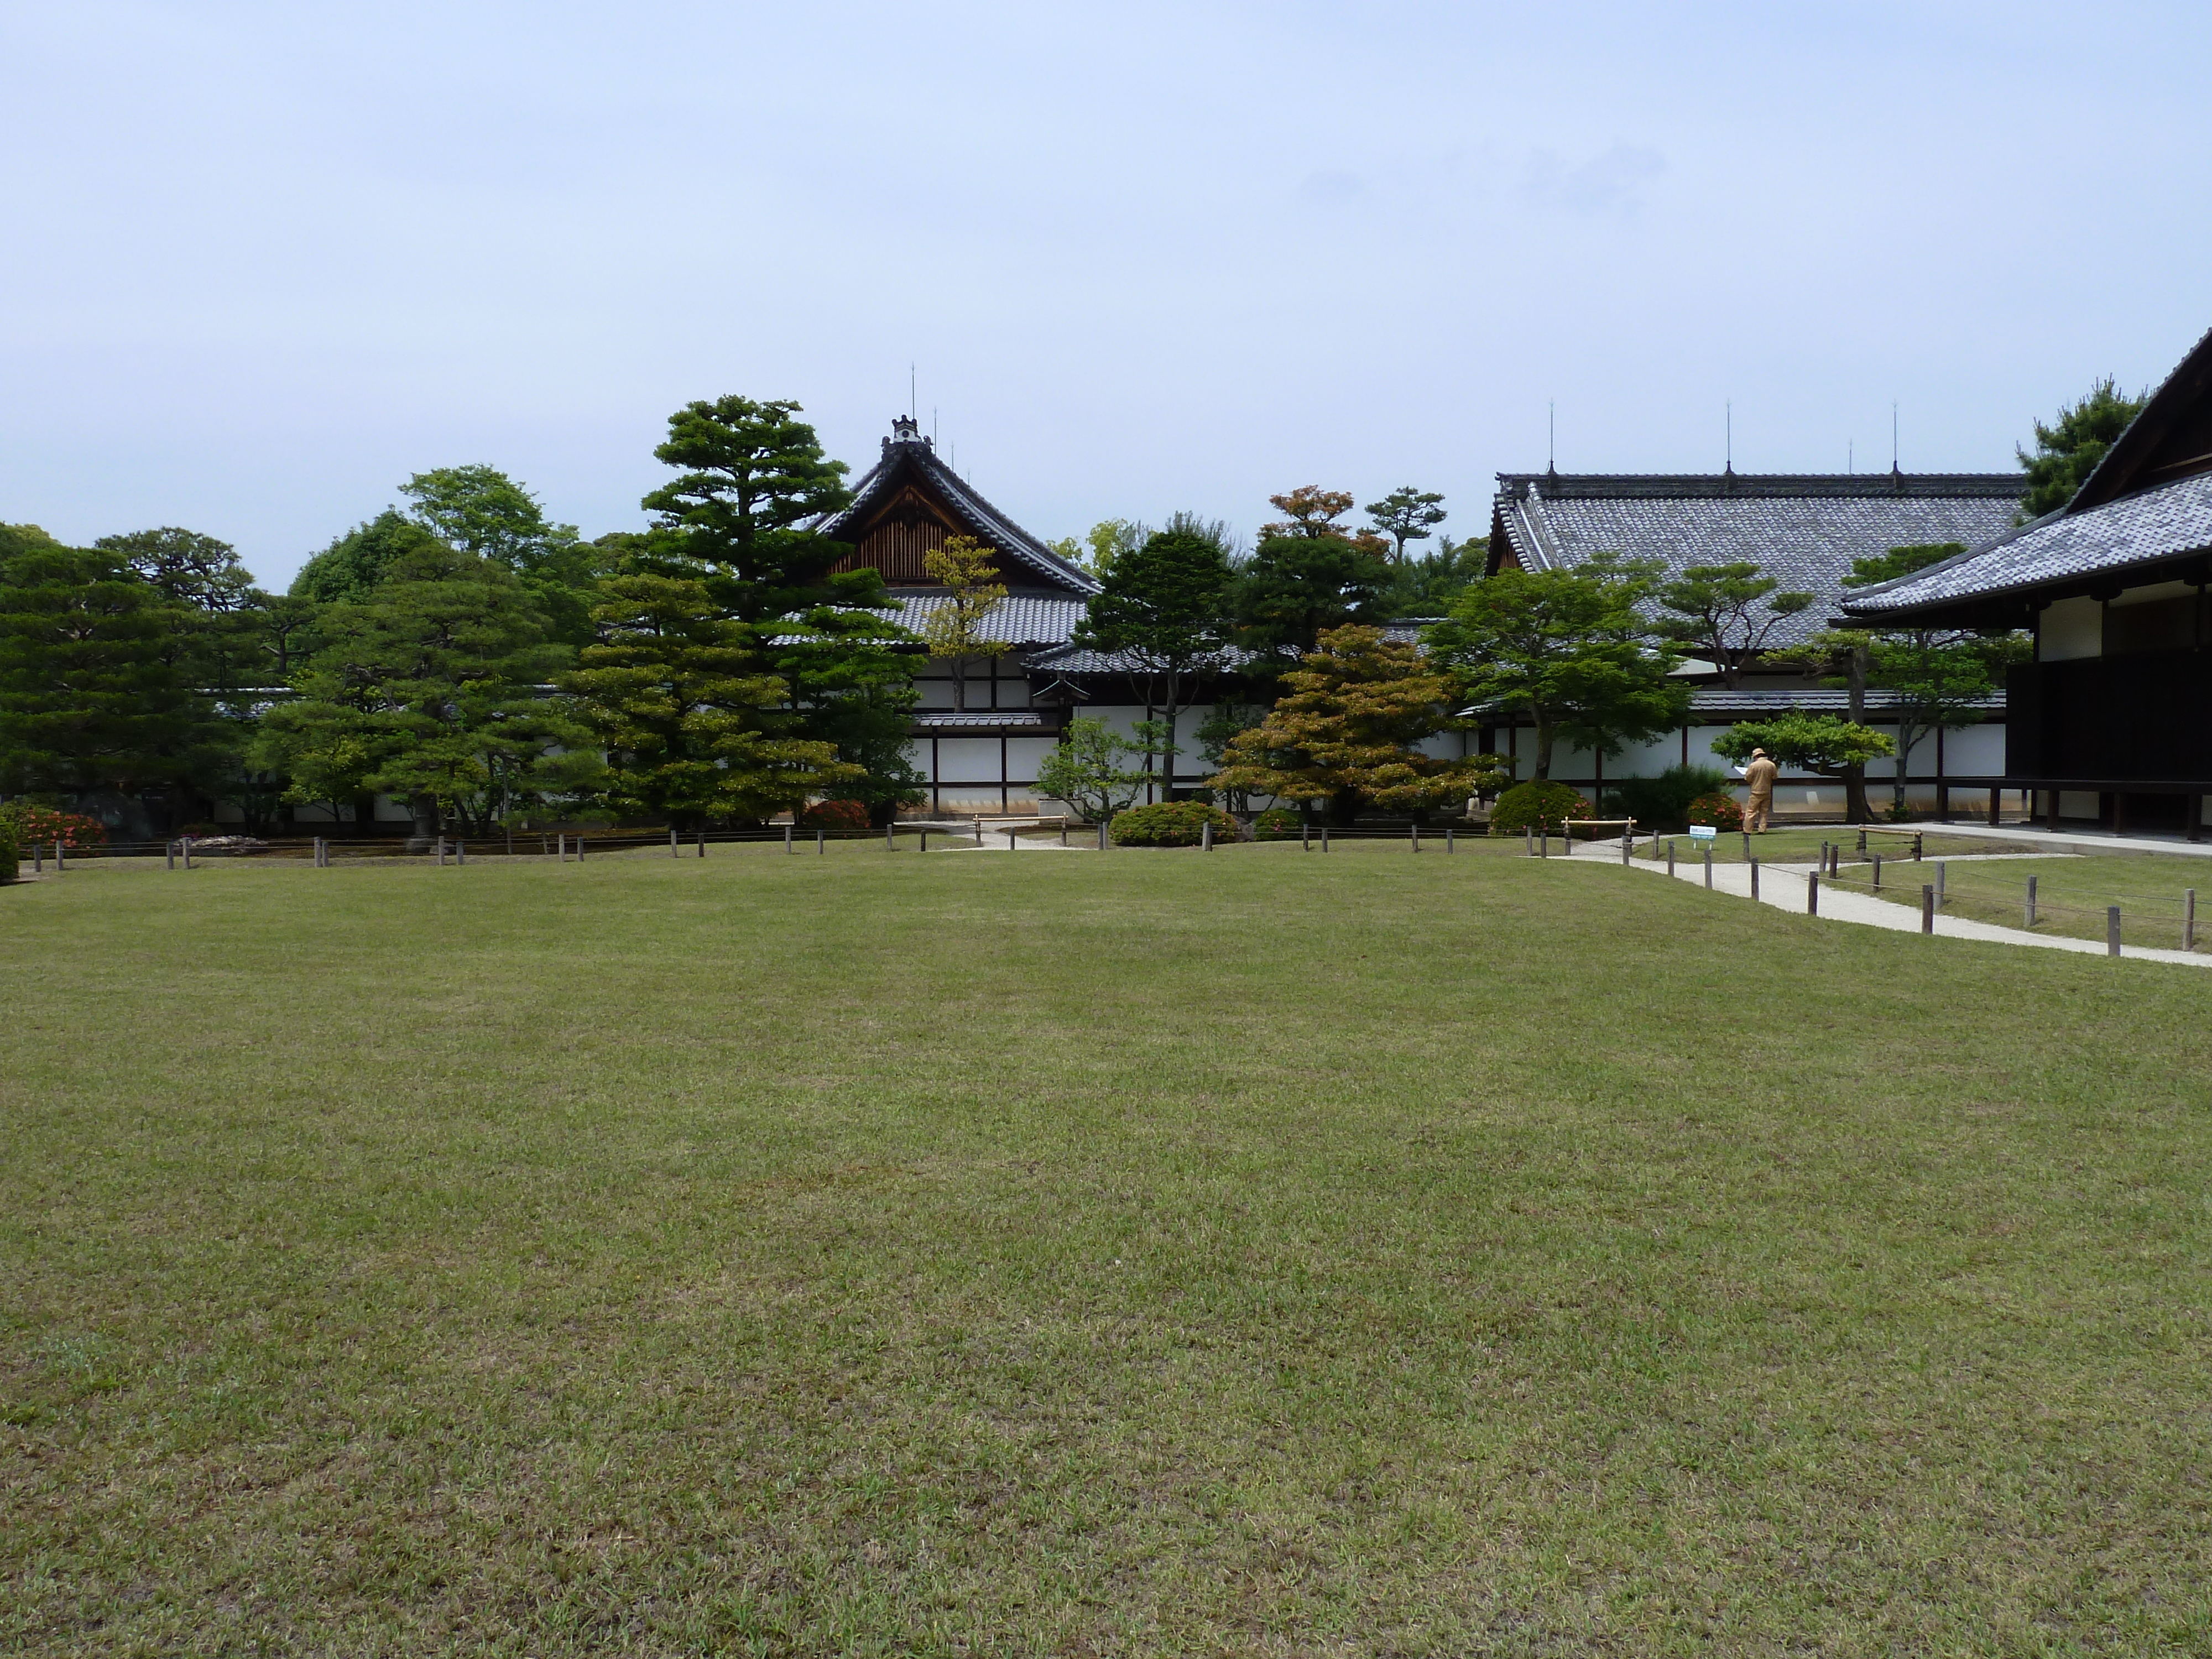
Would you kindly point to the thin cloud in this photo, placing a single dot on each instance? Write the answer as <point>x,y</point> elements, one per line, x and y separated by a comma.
<point>1610,182</point>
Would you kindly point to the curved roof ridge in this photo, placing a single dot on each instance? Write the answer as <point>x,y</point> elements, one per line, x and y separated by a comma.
<point>901,454</point>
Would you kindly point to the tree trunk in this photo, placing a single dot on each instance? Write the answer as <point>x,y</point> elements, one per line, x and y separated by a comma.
<point>1543,750</point>
<point>959,685</point>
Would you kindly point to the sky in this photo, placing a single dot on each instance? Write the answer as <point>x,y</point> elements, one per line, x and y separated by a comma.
<point>263,262</point>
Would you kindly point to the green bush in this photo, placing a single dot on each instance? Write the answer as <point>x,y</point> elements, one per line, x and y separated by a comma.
<point>1663,802</point>
<point>7,855</point>
<point>1718,809</point>
<point>1534,806</point>
<point>1170,823</point>
<point>1276,823</point>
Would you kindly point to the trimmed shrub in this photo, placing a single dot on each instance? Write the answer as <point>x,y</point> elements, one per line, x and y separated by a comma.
<point>1170,823</point>
<point>1720,810</point>
<point>836,814</point>
<point>1532,805</point>
<point>1663,802</point>
<point>1276,824</point>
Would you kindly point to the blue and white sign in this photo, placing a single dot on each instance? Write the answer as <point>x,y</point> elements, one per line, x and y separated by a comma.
<point>1703,832</point>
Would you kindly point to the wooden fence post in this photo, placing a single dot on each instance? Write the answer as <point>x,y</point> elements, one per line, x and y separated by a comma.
<point>2188,919</point>
<point>1205,837</point>
<point>2030,901</point>
<point>890,830</point>
<point>1670,858</point>
<point>2112,931</point>
<point>1451,846</point>
<point>1754,881</point>
<point>1708,867</point>
<point>673,853</point>
<point>821,841</point>
<point>1415,830</point>
<point>1812,894</point>
<point>702,843</point>
<point>580,849</point>
<point>1876,859</point>
<point>1940,896</point>
<point>1927,909</point>
<point>1324,838</point>
<point>1102,834</point>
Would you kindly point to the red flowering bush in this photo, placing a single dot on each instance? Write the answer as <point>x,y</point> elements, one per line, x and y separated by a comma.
<point>836,814</point>
<point>1720,810</point>
<point>46,826</point>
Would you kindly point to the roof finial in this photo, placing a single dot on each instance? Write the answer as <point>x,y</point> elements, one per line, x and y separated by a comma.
<point>904,430</point>
<point>1727,440</point>
<point>1892,435</point>
<point>1552,438</point>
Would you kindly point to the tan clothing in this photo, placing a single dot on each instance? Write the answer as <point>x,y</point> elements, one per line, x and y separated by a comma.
<point>1760,774</point>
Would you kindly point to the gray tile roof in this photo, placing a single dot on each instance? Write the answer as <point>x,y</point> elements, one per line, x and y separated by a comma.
<point>904,456</point>
<point>1711,704</point>
<point>1080,660</point>
<point>996,719</point>
<point>1804,531</point>
<point>2168,521</point>
<point>1028,622</point>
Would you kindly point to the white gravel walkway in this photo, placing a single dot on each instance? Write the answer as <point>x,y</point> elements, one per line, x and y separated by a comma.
<point>1783,887</point>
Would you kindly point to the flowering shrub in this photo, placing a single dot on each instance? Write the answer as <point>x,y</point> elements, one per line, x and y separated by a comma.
<point>1720,810</point>
<point>836,814</point>
<point>1536,805</point>
<point>25,824</point>
<point>1171,823</point>
<point>1276,824</point>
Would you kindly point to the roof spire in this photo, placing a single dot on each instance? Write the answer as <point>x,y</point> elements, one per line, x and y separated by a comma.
<point>1728,429</point>
<point>904,430</point>
<point>1552,438</point>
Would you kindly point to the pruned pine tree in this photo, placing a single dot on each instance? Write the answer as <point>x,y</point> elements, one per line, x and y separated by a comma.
<point>1407,514</point>
<point>959,629</point>
<point>1725,613</point>
<point>428,688</point>
<point>1345,731</point>
<point>697,728</point>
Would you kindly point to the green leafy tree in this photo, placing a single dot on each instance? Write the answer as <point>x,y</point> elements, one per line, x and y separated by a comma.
<point>1425,587</point>
<point>2067,450</point>
<point>697,727</point>
<point>1089,769</point>
<point>1104,542</point>
<point>355,562</point>
<point>1223,724</point>
<point>1941,677</point>
<point>91,696</point>
<point>1164,610</point>
<point>480,510</point>
<point>1822,744</point>
<point>1565,651</point>
<point>959,629</point>
<point>428,689</point>
<point>1725,613</point>
<point>1344,732</point>
<point>1406,515</point>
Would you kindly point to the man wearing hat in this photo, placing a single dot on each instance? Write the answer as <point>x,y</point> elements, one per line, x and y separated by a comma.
<point>1760,774</point>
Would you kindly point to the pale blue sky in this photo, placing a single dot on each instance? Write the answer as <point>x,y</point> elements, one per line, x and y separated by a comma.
<point>263,261</point>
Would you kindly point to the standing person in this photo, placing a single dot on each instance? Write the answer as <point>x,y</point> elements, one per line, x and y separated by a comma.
<point>1760,774</point>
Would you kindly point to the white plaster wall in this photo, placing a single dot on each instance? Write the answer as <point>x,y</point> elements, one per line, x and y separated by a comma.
<point>2069,629</point>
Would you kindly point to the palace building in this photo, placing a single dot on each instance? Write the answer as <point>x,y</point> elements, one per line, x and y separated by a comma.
<point>2112,720</point>
<point>1803,530</point>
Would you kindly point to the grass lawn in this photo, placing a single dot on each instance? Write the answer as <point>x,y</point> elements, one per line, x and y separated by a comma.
<point>1253,1253</point>
<point>2071,894</point>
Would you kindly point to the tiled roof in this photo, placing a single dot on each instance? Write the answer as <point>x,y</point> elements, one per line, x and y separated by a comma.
<point>1803,531</point>
<point>1028,622</point>
<point>1080,660</point>
<point>2168,521</point>
<point>904,455</point>
<point>992,719</point>
<point>1710,704</point>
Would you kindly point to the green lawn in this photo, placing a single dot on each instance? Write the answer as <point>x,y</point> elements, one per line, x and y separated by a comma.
<point>2071,893</point>
<point>1260,1253</point>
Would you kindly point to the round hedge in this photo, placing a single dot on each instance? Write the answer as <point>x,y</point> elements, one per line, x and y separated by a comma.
<point>1170,823</point>
<point>1276,824</point>
<point>1720,810</point>
<point>1536,805</point>
<point>836,814</point>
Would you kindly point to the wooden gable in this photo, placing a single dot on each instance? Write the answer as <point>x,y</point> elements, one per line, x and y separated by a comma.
<point>912,521</point>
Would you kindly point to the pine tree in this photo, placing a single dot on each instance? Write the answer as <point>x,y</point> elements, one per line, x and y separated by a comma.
<point>2068,449</point>
<point>427,687</point>
<point>1344,732</point>
<point>91,696</point>
<point>697,727</point>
